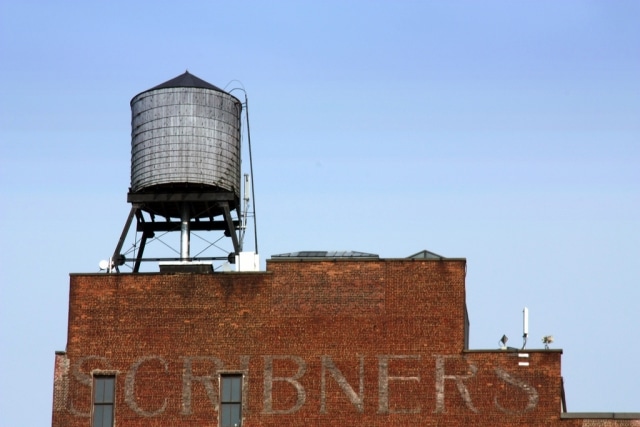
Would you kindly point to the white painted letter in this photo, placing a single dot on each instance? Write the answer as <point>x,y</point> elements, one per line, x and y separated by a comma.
<point>462,389</point>
<point>533,394</point>
<point>269,379</point>
<point>206,380</point>
<point>383,385</point>
<point>85,379</point>
<point>356,399</point>
<point>130,387</point>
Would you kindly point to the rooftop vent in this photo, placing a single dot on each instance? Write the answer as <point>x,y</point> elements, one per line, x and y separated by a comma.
<point>425,254</point>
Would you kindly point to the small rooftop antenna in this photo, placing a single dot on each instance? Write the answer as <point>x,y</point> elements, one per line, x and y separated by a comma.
<point>503,342</point>
<point>525,326</point>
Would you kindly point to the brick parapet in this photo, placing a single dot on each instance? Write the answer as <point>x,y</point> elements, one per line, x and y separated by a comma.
<point>376,343</point>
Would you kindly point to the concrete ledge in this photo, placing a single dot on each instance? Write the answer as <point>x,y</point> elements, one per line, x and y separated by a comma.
<point>600,415</point>
<point>514,351</point>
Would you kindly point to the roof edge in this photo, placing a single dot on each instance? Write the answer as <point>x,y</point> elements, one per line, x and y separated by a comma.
<point>600,415</point>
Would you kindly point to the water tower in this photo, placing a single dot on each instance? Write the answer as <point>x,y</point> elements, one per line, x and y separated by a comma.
<point>185,168</point>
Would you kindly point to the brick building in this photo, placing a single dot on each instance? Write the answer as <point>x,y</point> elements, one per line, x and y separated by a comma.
<point>317,339</point>
<point>308,342</point>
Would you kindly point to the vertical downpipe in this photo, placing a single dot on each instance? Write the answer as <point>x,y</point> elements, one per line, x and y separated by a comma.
<point>184,233</point>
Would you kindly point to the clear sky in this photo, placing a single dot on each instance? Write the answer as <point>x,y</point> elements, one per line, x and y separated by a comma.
<point>507,133</point>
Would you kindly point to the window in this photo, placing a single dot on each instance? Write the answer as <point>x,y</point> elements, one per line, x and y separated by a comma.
<point>103,400</point>
<point>230,400</point>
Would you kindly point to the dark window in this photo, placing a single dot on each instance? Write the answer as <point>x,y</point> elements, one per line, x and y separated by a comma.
<point>230,400</point>
<point>103,400</point>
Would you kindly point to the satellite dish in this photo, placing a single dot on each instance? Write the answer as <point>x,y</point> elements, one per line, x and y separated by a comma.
<point>104,264</point>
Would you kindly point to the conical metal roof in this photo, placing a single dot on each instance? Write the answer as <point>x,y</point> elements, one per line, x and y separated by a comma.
<point>185,80</point>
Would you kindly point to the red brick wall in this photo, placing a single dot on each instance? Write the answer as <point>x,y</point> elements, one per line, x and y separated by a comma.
<point>371,343</point>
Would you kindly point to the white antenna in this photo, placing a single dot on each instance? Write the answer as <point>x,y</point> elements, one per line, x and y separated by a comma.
<point>525,326</point>
<point>245,210</point>
<point>247,188</point>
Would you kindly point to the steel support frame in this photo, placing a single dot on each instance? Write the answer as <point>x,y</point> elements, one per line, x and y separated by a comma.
<point>148,228</point>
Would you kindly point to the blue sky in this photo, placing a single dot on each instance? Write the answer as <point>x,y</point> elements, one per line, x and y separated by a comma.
<point>507,133</point>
